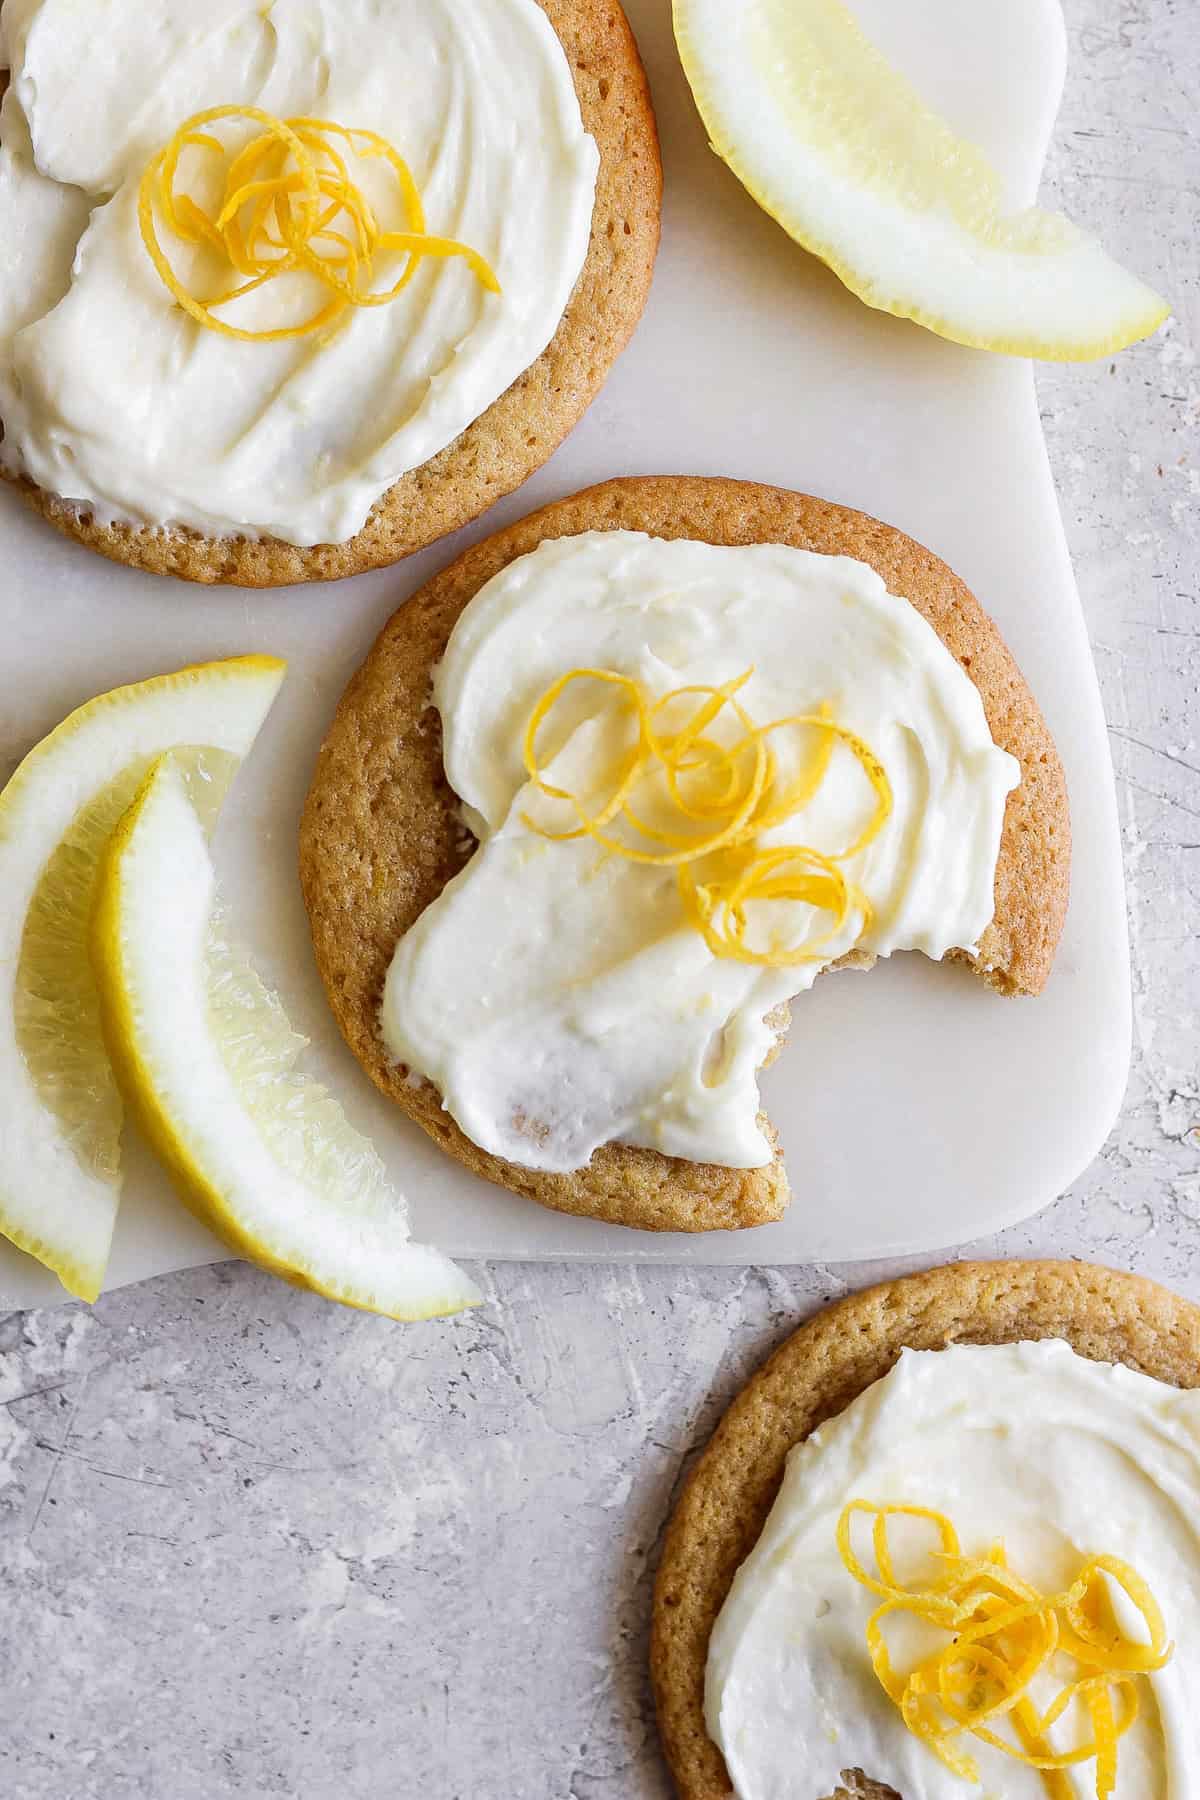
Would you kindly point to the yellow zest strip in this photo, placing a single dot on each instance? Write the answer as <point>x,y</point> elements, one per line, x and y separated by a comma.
<point>724,797</point>
<point>289,205</point>
<point>1002,1634</point>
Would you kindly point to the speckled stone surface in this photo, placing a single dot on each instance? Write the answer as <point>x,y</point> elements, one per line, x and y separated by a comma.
<point>254,1545</point>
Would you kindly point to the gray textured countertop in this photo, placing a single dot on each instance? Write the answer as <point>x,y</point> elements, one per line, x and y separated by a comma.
<point>251,1544</point>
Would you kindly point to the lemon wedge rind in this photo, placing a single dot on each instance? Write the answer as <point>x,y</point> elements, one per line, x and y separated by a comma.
<point>839,149</point>
<point>206,1062</point>
<point>60,1111</point>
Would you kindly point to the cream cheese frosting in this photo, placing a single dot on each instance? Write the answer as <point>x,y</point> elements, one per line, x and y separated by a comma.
<point>557,996</point>
<point>1059,1457</point>
<point>110,395</point>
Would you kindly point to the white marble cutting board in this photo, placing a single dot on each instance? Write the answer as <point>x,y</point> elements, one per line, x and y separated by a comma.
<point>916,1108</point>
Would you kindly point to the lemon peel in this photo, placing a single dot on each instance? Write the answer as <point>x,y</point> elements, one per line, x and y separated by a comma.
<point>1003,1633</point>
<point>731,789</point>
<point>284,195</point>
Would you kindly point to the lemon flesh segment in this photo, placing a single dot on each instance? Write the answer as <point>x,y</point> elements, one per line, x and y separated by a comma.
<point>207,1063</point>
<point>60,1108</point>
<point>837,146</point>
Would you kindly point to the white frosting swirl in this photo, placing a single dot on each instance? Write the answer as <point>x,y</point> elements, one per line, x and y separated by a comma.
<point>557,996</point>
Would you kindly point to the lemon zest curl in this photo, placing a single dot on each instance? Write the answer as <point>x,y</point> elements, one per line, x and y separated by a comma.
<point>721,799</point>
<point>289,205</point>
<point>1004,1633</point>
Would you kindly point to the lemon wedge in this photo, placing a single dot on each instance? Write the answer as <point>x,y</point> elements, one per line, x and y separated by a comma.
<point>206,1061</point>
<point>837,146</point>
<point>60,1109</point>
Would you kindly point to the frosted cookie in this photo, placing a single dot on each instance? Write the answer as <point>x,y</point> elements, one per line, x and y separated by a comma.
<point>875,637</point>
<point>430,230</point>
<point>1059,1433</point>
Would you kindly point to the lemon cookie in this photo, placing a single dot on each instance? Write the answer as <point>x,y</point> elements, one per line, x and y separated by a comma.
<point>383,832</point>
<point>1045,1445</point>
<point>437,229</point>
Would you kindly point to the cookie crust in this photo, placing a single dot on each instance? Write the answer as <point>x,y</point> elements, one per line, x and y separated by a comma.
<point>1101,1313</point>
<point>381,835</point>
<point>520,430</point>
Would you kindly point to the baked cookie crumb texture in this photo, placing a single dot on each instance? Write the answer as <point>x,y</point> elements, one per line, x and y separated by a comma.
<point>1103,1314</point>
<point>381,833</point>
